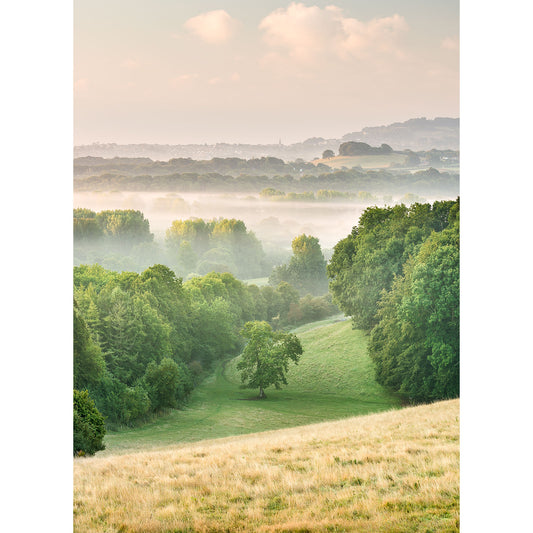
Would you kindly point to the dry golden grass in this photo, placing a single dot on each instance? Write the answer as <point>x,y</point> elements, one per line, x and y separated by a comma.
<point>394,471</point>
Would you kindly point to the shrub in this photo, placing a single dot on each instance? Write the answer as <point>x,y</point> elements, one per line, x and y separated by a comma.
<point>89,428</point>
<point>168,384</point>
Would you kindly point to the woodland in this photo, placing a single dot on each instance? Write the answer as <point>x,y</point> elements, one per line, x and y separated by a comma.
<point>143,341</point>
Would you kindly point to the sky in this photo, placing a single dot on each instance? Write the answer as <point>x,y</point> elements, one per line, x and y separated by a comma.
<point>176,72</point>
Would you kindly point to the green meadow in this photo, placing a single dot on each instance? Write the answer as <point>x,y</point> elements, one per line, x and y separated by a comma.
<point>334,380</point>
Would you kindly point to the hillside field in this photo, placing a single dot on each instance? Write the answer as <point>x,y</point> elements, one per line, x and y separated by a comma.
<point>363,161</point>
<point>396,471</point>
<point>334,379</point>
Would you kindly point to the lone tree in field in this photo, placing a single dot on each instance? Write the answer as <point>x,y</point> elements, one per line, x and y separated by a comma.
<point>266,356</point>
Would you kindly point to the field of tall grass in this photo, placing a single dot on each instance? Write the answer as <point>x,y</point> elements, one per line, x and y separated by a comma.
<point>394,471</point>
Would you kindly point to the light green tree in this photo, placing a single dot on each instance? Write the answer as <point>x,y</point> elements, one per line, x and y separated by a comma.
<point>265,358</point>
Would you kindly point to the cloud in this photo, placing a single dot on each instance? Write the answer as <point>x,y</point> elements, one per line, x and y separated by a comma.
<point>212,27</point>
<point>450,43</point>
<point>309,34</point>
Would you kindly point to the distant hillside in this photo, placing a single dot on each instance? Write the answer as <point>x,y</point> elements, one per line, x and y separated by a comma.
<point>415,134</point>
<point>364,161</point>
<point>396,471</point>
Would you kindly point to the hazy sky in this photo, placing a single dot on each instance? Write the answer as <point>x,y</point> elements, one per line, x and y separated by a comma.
<point>168,71</point>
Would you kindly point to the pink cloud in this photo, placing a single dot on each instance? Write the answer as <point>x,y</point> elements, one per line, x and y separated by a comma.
<point>212,27</point>
<point>310,33</point>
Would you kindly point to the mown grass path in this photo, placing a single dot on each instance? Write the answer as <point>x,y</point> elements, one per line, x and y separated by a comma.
<point>334,380</point>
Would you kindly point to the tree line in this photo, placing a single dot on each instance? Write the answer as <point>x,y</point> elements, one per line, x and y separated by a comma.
<point>397,276</point>
<point>265,165</point>
<point>322,195</point>
<point>346,180</point>
<point>142,342</point>
<point>121,240</point>
<point>269,165</point>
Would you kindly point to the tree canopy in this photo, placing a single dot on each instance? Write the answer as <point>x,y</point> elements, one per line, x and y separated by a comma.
<point>89,428</point>
<point>397,275</point>
<point>306,270</point>
<point>89,364</point>
<point>266,356</point>
<point>415,344</point>
<point>366,261</point>
<point>221,245</point>
<point>142,341</point>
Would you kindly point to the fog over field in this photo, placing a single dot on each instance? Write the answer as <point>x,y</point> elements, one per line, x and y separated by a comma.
<point>274,222</point>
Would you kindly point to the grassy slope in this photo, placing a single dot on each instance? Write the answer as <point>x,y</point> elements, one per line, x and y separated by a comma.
<point>333,380</point>
<point>388,472</point>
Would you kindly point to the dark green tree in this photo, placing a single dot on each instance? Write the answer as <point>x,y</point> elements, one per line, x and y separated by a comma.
<point>266,356</point>
<point>134,334</point>
<point>353,148</point>
<point>89,427</point>
<point>214,329</point>
<point>415,344</point>
<point>89,364</point>
<point>165,293</point>
<point>168,384</point>
<point>365,263</point>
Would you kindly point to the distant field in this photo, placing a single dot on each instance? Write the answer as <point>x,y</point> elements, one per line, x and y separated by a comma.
<point>363,161</point>
<point>334,379</point>
<point>389,472</point>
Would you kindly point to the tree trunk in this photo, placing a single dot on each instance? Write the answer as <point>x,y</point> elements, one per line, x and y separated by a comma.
<point>262,394</point>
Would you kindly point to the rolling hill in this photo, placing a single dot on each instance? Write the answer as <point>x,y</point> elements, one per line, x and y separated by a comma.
<point>393,471</point>
<point>335,379</point>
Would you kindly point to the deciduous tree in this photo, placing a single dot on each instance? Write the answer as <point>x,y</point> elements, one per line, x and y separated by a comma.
<point>306,270</point>
<point>266,356</point>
